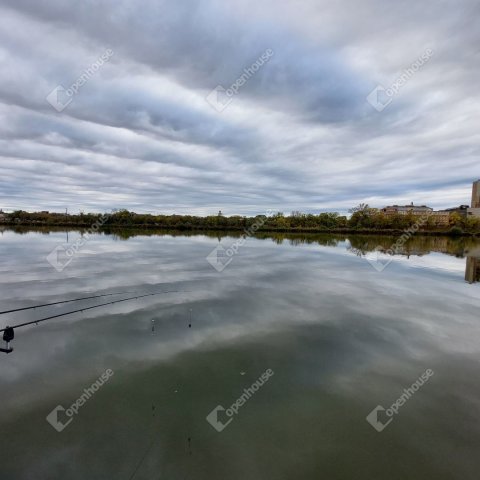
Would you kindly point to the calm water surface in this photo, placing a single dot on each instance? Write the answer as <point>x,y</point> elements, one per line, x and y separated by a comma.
<point>338,337</point>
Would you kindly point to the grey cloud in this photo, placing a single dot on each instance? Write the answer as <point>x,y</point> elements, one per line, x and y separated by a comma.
<point>299,135</point>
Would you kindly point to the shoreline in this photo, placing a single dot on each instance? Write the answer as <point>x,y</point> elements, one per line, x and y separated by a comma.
<point>149,227</point>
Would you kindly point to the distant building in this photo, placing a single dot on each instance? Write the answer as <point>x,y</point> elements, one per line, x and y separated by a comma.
<point>476,194</point>
<point>461,210</point>
<point>407,210</point>
<point>441,217</point>
<point>475,209</point>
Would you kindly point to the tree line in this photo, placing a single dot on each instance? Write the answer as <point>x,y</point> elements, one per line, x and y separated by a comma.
<point>362,218</point>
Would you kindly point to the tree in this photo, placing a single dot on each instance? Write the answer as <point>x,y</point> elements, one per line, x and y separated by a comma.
<point>362,207</point>
<point>361,215</point>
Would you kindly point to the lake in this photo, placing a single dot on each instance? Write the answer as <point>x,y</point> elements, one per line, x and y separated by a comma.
<point>274,357</point>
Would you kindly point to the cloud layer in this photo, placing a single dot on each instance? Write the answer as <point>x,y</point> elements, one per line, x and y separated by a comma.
<point>299,135</point>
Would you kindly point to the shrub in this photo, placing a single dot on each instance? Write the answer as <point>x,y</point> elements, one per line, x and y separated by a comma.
<point>456,231</point>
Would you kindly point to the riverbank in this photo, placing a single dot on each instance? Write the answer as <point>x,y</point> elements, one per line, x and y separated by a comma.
<point>238,230</point>
<point>364,221</point>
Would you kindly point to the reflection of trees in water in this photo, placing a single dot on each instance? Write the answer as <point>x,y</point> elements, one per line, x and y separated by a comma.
<point>463,247</point>
<point>359,244</point>
<point>359,252</point>
<point>416,245</point>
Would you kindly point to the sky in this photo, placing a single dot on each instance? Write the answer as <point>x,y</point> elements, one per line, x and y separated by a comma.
<point>196,106</point>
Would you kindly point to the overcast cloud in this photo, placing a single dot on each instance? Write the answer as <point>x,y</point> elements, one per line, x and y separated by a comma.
<point>299,135</point>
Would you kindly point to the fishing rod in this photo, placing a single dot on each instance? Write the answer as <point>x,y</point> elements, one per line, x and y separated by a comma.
<point>63,301</point>
<point>9,331</point>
